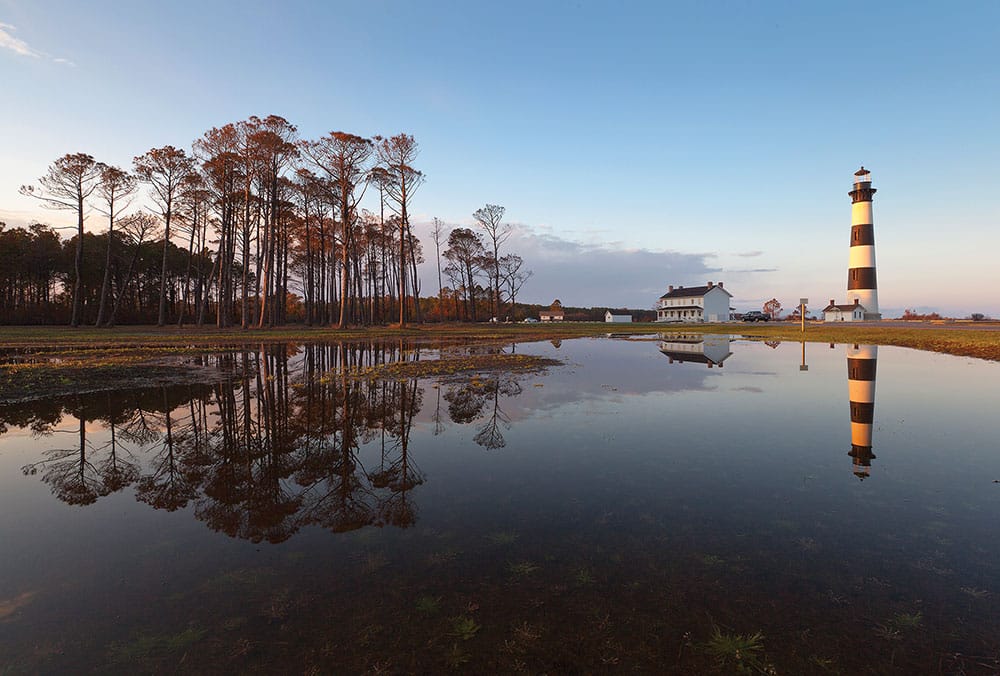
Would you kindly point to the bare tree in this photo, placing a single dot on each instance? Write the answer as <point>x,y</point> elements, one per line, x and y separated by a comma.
<point>514,275</point>
<point>68,183</point>
<point>399,179</point>
<point>490,218</point>
<point>115,187</point>
<point>437,232</point>
<point>166,169</point>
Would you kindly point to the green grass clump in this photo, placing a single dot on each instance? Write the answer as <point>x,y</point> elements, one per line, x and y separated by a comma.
<point>739,652</point>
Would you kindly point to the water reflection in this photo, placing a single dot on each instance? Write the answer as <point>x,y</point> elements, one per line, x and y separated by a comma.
<point>861,363</point>
<point>626,485</point>
<point>697,348</point>
<point>273,448</point>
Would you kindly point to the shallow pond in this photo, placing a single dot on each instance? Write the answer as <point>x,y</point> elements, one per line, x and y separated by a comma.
<point>680,505</point>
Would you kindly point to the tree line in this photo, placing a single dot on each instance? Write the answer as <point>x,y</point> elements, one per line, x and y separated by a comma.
<point>253,227</point>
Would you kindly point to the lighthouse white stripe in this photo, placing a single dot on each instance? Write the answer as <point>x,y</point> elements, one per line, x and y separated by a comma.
<point>862,256</point>
<point>861,213</point>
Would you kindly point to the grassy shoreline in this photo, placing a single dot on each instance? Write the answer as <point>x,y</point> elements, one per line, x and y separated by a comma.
<point>38,362</point>
<point>979,339</point>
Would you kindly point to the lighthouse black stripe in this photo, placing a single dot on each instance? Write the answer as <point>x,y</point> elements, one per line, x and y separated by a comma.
<point>862,235</point>
<point>862,412</point>
<point>861,278</point>
<point>861,369</point>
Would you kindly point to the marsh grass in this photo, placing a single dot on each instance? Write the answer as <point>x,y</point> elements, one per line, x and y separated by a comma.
<point>740,652</point>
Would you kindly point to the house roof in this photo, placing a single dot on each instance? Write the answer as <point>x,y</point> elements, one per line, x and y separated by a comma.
<point>552,313</point>
<point>693,291</point>
<point>680,307</point>
<point>619,314</point>
<point>844,308</point>
<point>695,357</point>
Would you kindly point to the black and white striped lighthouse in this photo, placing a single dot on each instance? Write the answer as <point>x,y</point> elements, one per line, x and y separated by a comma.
<point>861,283</point>
<point>861,363</point>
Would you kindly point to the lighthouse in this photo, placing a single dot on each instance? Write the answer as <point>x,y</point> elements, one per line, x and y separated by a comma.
<point>862,288</point>
<point>861,363</point>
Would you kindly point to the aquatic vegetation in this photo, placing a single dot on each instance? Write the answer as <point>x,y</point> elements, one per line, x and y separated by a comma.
<point>456,656</point>
<point>443,556</point>
<point>464,627</point>
<point>807,544</point>
<point>503,537</point>
<point>907,620</point>
<point>148,647</point>
<point>742,652</point>
<point>428,605</point>
<point>522,568</point>
<point>584,578</point>
<point>711,560</point>
<point>526,633</point>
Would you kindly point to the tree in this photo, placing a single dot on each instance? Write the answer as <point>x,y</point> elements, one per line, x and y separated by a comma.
<point>466,253</point>
<point>68,183</point>
<point>344,159</point>
<point>490,218</point>
<point>166,170</point>
<point>115,186</point>
<point>514,275</point>
<point>399,179</point>
<point>137,228</point>
<point>437,232</point>
<point>772,308</point>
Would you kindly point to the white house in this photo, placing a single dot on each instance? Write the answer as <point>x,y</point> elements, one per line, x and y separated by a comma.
<point>613,318</point>
<point>709,349</point>
<point>709,303</point>
<point>844,313</point>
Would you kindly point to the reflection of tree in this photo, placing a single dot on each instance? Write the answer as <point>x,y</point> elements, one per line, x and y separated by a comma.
<point>467,402</point>
<point>71,472</point>
<point>490,435</point>
<point>166,486</point>
<point>397,471</point>
<point>275,449</point>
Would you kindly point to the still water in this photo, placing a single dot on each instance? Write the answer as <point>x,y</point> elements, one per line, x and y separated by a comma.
<point>679,505</point>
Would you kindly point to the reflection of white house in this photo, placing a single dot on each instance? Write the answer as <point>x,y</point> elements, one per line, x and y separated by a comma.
<point>695,347</point>
<point>612,318</point>
<point>844,313</point>
<point>694,304</point>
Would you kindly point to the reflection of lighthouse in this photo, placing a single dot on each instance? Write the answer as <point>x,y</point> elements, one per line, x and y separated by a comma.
<point>862,287</point>
<point>861,361</point>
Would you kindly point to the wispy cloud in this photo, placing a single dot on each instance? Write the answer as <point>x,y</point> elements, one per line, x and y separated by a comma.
<point>750,254</point>
<point>22,48</point>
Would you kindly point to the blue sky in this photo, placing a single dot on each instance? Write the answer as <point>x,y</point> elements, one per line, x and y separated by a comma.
<point>634,145</point>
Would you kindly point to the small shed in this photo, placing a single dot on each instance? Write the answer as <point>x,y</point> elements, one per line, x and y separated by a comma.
<point>617,317</point>
<point>844,313</point>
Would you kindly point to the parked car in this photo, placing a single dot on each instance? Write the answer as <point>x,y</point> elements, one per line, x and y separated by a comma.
<point>530,320</point>
<point>755,316</point>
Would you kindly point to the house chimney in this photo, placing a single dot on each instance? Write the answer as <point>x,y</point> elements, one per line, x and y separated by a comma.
<point>832,302</point>
<point>710,285</point>
<point>857,301</point>
<point>680,286</point>
<point>670,288</point>
<point>720,286</point>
